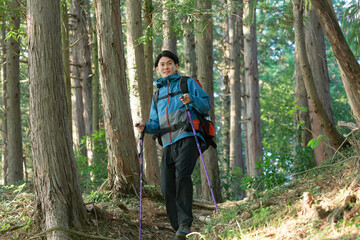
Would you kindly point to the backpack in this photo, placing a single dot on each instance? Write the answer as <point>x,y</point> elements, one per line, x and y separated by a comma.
<point>206,126</point>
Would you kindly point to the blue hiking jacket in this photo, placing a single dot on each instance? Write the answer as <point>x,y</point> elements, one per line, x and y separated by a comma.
<point>171,110</point>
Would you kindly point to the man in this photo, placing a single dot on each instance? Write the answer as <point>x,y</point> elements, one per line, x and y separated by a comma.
<point>179,147</point>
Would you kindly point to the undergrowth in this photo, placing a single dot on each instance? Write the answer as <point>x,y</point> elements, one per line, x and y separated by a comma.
<point>282,212</point>
<point>318,203</point>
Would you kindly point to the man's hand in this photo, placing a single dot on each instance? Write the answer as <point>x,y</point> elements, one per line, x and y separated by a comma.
<point>185,98</point>
<point>140,126</point>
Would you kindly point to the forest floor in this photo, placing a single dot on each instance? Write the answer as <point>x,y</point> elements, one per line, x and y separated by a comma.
<point>323,203</point>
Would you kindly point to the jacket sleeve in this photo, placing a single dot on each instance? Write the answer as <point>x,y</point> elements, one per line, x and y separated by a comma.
<point>198,97</point>
<point>153,125</point>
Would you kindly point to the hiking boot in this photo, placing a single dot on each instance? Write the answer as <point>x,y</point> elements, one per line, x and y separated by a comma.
<point>183,230</point>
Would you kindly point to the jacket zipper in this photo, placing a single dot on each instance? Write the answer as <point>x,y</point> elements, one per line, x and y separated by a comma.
<point>167,113</point>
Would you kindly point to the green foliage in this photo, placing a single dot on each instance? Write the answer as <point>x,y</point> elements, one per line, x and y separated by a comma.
<point>95,174</point>
<point>276,99</point>
<point>13,202</point>
<point>15,189</point>
<point>351,25</point>
<point>16,34</point>
<point>313,143</point>
<point>297,108</point>
<point>4,227</point>
<point>98,196</point>
<point>302,159</point>
<point>261,216</point>
<point>276,169</point>
<point>233,183</point>
<point>341,107</point>
<point>276,70</point>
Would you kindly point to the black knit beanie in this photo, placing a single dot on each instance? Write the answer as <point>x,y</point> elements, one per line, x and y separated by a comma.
<point>168,54</point>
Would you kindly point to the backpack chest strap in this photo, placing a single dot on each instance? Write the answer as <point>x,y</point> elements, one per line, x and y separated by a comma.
<point>169,95</point>
<point>183,89</point>
<point>172,128</point>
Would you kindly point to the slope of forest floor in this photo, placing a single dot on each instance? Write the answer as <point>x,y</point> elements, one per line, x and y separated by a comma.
<point>323,203</point>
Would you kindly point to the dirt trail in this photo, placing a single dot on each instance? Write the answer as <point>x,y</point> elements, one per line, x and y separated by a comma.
<point>112,219</point>
<point>155,224</point>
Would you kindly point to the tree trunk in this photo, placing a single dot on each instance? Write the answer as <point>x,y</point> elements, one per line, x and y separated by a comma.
<point>225,98</point>
<point>301,117</point>
<point>343,53</point>
<point>204,58</point>
<point>57,190</point>
<point>4,154</point>
<point>316,52</point>
<point>86,76</point>
<point>95,80</point>
<point>235,72</point>
<point>152,169</point>
<point>81,73</point>
<point>190,65</point>
<point>335,137</point>
<point>66,57</point>
<point>123,166</point>
<point>189,48</point>
<point>253,141</point>
<point>169,41</point>
<point>139,89</point>
<point>14,138</point>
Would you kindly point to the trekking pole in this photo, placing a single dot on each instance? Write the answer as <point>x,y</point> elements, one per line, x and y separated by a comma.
<point>141,176</point>
<point>201,155</point>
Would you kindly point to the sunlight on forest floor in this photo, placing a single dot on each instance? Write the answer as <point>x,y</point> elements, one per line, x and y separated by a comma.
<point>321,204</point>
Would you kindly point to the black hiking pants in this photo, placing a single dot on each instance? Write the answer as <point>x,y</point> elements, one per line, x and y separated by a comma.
<point>177,165</point>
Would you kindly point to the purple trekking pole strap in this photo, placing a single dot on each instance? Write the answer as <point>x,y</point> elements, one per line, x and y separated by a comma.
<point>201,156</point>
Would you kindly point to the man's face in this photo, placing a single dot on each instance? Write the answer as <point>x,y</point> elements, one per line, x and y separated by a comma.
<point>166,67</point>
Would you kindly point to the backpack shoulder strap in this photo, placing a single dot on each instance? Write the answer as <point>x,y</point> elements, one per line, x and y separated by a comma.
<point>156,97</point>
<point>183,84</point>
<point>183,89</point>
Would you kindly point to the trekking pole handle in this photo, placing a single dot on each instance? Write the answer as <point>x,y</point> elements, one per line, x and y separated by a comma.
<point>186,105</point>
<point>141,133</point>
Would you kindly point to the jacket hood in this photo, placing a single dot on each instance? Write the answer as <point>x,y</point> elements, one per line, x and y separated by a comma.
<point>163,81</point>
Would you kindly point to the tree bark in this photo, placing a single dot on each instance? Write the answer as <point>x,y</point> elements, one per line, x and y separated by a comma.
<point>135,58</point>
<point>301,117</point>
<point>225,98</point>
<point>123,165</point>
<point>57,190</point>
<point>316,52</point>
<point>349,65</point>
<point>66,57</point>
<point>152,169</point>
<point>95,80</point>
<point>190,64</point>
<point>86,77</point>
<point>140,96</point>
<point>204,58</point>
<point>4,152</point>
<point>236,38</point>
<point>14,137</point>
<point>169,41</point>
<point>335,137</point>
<point>189,48</point>
<point>81,73</point>
<point>253,141</point>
